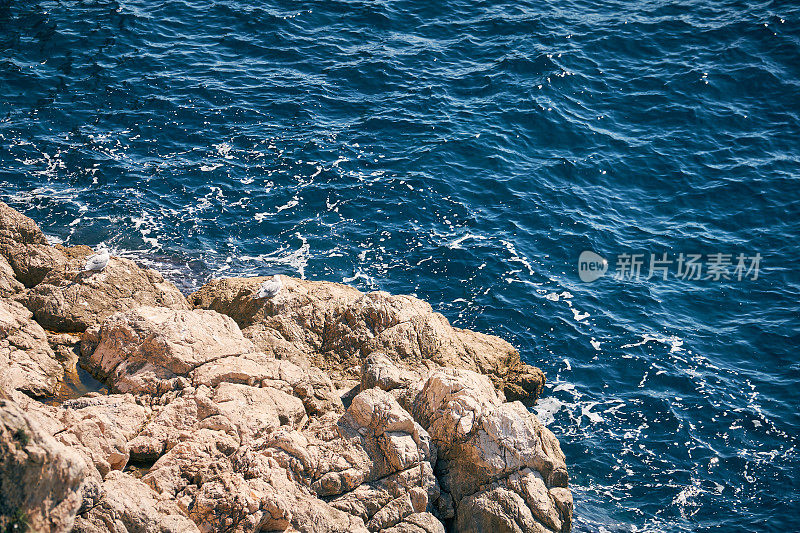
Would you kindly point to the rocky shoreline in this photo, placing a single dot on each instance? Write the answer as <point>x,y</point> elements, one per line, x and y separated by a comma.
<point>319,409</point>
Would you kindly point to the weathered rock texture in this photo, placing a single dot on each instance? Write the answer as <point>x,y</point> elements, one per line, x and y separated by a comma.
<point>225,417</point>
<point>27,362</point>
<point>61,295</point>
<point>40,479</point>
<point>335,327</point>
<point>71,299</point>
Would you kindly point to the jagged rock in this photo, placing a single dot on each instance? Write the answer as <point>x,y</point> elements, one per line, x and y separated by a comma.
<point>100,427</point>
<point>335,327</point>
<point>234,423</point>
<point>379,371</point>
<point>9,285</point>
<point>32,262</point>
<point>153,349</point>
<point>27,362</point>
<point>24,247</point>
<point>417,523</point>
<point>40,479</point>
<point>70,299</point>
<point>311,385</point>
<point>374,463</point>
<point>127,505</point>
<point>169,425</point>
<point>497,461</point>
<point>16,227</point>
<point>227,487</point>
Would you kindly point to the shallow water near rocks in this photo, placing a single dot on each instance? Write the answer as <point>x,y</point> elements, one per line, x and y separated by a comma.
<point>77,382</point>
<point>466,152</point>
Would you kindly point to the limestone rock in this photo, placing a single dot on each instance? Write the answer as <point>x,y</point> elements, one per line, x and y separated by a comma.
<point>336,327</point>
<point>152,349</point>
<point>68,299</point>
<point>9,285</point>
<point>40,479</point>
<point>27,362</point>
<point>482,439</point>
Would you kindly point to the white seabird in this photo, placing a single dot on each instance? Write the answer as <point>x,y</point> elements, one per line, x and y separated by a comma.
<point>99,260</point>
<point>270,288</point>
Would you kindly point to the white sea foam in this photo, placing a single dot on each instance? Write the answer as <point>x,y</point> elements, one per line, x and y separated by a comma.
<point>675,343</point>
<point>296,259</point>
<point>546,409</point>
<point>456,243</point>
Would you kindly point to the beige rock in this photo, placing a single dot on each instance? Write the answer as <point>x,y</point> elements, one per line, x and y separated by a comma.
<point>249,412</point>
<point>69,299</point>
<point>373,463</point>
<point>482,439</point>
<point>224,486</point>
<point>152,349</point>
<point>14,226</point>
<point>311,385</point>
<point>100,428</point>
<point>563,498</point>
<point>243,430</point>
<point>417,523</point>
<point>9,285</point>
<point>40,479</point>
<point>168,425</point>
<point>498,510</point>
<point>335,327</point>
<point>32,262</point>
<point>27,362</point>
<point>24,249</point>
<point>379,371</point>
<point>128,505</point>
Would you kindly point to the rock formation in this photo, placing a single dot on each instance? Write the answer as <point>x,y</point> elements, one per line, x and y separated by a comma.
<point>318,409</point>
<point>335,327</point>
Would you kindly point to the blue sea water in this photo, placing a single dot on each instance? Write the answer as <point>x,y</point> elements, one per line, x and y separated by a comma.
<point>467,152</point>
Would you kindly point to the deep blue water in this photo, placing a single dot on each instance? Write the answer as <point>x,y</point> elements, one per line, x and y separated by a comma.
<point>466,152</point>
